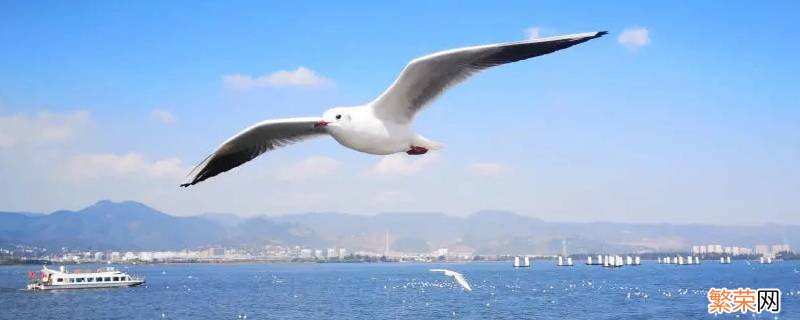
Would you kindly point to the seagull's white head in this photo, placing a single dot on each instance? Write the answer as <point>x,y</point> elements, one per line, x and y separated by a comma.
<point>336,118</point>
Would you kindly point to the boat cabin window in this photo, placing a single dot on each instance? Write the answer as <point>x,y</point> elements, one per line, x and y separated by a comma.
<point>79,280</point>
<point>107,278</point>
<point>60,280</point>
<point>98,279</point>
<point>116,278</point>
<point>71,280</point>
<point>89,279</point>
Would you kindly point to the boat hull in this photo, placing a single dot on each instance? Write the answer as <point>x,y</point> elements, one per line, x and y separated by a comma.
<point>38,286</point>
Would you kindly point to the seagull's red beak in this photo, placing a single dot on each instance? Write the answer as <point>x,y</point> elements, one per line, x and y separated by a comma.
<point>321,123</point>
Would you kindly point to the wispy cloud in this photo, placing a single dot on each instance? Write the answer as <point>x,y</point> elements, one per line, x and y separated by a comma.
<point>300,77</point>
<point>403,165</point>
<point>310,168</point>
<point>533,33</point>
<point>92,166</point>
<point>41,127</point>
<point>162,116</point>
<point>634,37</point>
<point>487,168</point>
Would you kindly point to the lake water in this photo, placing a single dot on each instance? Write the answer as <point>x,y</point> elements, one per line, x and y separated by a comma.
<point>402,291</point>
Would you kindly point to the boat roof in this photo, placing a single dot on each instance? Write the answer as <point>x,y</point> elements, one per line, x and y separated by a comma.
<point>85,273</point>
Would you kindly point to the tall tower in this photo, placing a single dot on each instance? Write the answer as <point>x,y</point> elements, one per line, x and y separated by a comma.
<point>564,247</point>
<point>386,245</point>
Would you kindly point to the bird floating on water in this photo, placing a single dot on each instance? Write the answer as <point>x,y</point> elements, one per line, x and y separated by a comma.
<point>383,126</point>
<point>459,277</point>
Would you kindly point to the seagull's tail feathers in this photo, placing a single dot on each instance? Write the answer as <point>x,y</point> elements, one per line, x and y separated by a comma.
<point>426,143</point>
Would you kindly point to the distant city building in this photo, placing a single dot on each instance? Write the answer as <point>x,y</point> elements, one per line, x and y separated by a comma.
<point>762,249</point>
<point>216,252</point>
<point>780,248</point>
<point>128,256</point>
<point>331,253</point>
<point>737,251</point>
<point>342,253</point>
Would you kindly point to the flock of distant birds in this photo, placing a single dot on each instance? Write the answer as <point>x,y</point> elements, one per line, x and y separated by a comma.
<point>607,261</point>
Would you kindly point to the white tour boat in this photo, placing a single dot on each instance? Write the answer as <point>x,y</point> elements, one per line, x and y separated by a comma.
<point>108,277</point>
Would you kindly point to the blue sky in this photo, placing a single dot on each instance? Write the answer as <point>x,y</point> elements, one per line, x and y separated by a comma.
<point>694,118</point>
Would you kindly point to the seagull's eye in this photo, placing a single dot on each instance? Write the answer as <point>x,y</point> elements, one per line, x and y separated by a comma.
<point>338,116</point>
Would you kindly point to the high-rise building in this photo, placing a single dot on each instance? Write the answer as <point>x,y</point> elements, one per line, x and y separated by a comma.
<point>780,248</point>
<point>386,245</point>
<point>762,249</point>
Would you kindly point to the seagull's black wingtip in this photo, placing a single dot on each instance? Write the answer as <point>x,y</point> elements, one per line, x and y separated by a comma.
<point>184,185</point>
<point>601,33</point>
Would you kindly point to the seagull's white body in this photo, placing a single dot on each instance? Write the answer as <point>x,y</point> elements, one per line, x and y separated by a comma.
<point>385,125</point>
<point>366,133</point>
<point>457,276</point>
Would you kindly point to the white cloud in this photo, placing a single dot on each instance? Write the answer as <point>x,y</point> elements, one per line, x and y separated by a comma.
<point>487,168</point>
<point>300,77</point>
<point>533,33</point>
<point>403,165</point>
<point>92,166</point>
<point>41,127</point>
<point>162,116</point>
<point>634,37</point>
<point>308,169</point>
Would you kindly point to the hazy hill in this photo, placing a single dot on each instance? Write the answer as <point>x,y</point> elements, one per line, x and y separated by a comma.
<point>135,226</point>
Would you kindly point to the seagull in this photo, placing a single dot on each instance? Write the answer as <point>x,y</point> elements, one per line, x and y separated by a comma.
<point>459,277</point>
<point>385,125</point>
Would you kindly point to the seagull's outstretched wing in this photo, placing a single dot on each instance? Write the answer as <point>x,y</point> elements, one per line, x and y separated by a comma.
<point>457,276</point>
<point>425,78</point>
<point>252,142</point>
<point>463,282</point>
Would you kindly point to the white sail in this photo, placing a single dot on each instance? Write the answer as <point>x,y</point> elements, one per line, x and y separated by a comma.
<point>569,261</point>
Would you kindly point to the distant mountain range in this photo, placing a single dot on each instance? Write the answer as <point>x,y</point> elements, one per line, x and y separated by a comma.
<point>131,225</point>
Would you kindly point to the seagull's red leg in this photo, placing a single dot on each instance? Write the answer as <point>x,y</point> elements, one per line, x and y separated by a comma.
<point>414,151</point>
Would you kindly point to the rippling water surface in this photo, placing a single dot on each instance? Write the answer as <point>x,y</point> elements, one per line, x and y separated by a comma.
<point>401,291</point>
